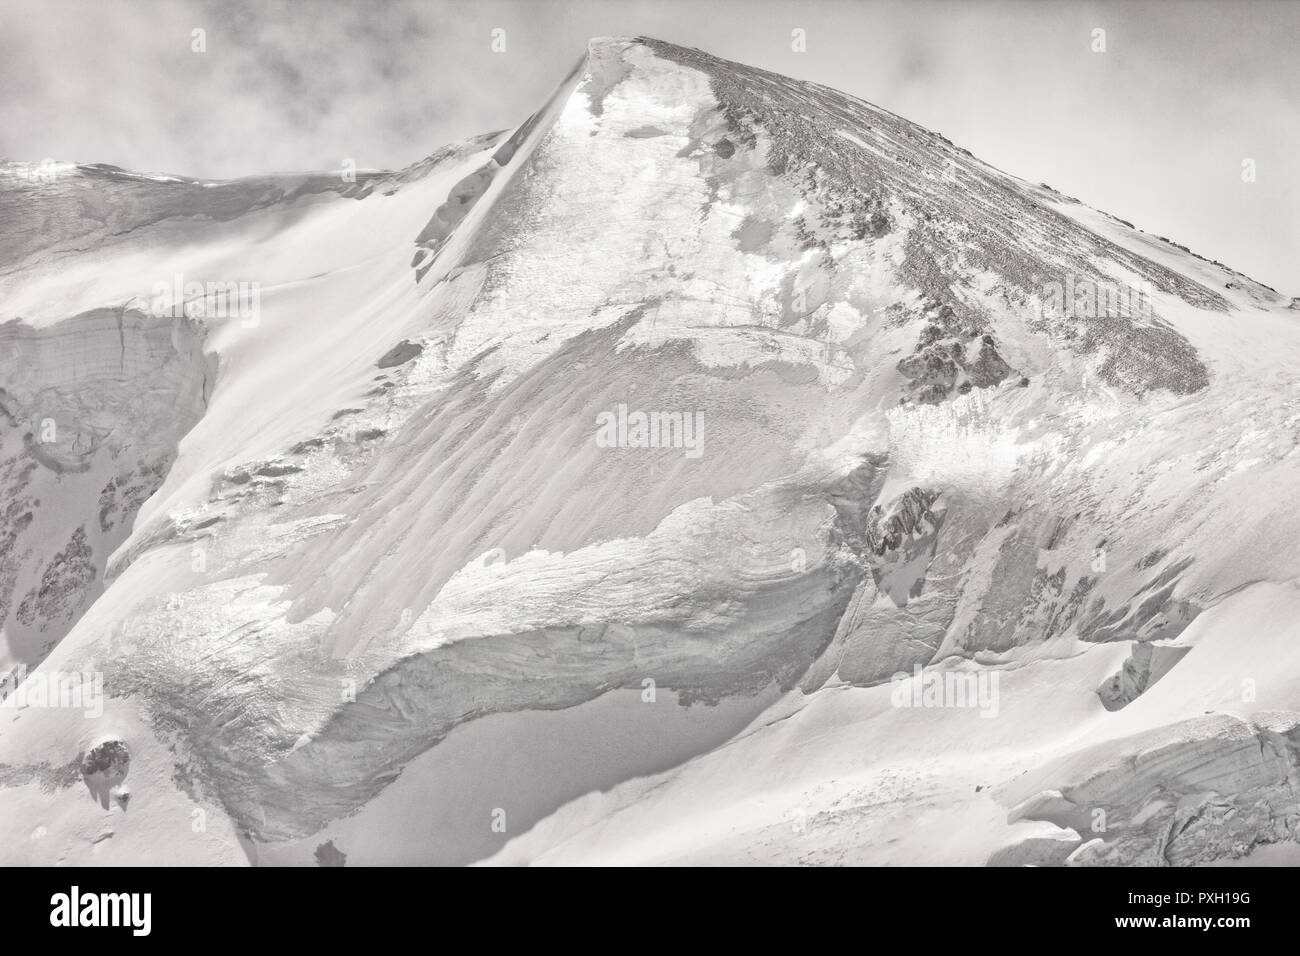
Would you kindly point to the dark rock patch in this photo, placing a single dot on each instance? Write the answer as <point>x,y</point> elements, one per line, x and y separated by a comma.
<point>277,471</point>
<point>400,354</point>
<point>327,854</point>
<point>104,768</point>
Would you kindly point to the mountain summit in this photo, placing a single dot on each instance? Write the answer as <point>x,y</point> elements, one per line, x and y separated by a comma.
<point>715,468</point>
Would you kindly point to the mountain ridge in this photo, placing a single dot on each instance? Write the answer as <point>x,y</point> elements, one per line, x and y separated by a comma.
<point>395,524</point>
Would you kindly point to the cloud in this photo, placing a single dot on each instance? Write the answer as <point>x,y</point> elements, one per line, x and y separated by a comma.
<point>1153,130</point>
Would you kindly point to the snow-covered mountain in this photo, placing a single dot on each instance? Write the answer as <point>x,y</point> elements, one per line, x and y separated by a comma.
<point>716,468</point>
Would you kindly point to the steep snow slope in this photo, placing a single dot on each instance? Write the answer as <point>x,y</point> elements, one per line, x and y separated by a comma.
<point>911,415</point>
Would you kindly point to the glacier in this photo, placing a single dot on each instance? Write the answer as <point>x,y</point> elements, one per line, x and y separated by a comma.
<point>363,583</point>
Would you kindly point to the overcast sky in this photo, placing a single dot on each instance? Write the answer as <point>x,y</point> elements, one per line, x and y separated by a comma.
<point>1154,129</point>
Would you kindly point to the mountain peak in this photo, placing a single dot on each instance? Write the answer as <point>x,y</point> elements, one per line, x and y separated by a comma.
<point>703,382</point>
<point>861,174</point>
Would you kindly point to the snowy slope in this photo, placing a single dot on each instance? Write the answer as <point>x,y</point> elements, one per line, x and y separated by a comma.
<point>370,550</point>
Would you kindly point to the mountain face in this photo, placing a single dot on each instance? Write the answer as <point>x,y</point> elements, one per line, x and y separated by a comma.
<point>716,468</point>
